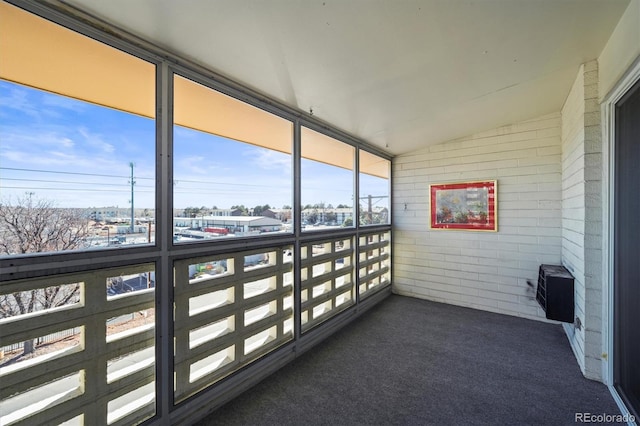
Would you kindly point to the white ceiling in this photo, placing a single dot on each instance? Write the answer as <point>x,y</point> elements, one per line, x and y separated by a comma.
<point>400,74</point>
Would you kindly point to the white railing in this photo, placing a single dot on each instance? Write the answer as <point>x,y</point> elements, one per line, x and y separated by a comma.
<point>374,262</point>
<point>103,375</point>
<point>327,282</point>
<point>229,310</point>
<point>230,314</point>
<point>50,338</point>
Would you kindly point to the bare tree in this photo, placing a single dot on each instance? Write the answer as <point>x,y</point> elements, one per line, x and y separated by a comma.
<point>24,302</point>
<point>34,225</point>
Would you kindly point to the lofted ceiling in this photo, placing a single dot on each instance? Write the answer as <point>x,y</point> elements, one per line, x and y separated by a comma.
<point>399,74</point>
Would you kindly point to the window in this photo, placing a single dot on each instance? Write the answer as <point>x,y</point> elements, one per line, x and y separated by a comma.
<point>374,189</point>
<point>77,160</point>
<point>327,181</point>
<point>232,167</point>
<point>79,170</point>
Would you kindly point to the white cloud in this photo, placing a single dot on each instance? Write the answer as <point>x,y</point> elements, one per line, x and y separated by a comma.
<point>193,164</point>
<point>180,133</point>
<point>192,159</point>
<point>34,138</point>
<point>269,160</point>
<point>12,156</point>
<point>66,142</point>
<point>40,131</point>
<point>95,140</point>
<point>17,98</point>
<point>63,102</point>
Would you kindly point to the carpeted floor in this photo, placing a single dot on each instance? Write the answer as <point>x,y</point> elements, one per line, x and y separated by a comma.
<point>415,362</point>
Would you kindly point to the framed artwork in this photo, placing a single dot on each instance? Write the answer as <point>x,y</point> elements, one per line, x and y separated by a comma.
<point>470,206</point>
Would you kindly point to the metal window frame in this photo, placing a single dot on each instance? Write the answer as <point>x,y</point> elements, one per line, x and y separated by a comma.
<point>608,111</point>
<point>163,252</point>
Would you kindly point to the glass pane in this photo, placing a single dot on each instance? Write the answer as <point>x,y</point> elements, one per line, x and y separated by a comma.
<point>374,189</point>
<point>77,164</point>
<point>327,182</point>
<point>232,167</point>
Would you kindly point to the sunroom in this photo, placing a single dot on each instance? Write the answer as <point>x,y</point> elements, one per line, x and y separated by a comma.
<point>196,194</point>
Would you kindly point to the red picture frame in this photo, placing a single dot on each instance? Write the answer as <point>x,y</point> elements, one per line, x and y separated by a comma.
<point>469,206</point>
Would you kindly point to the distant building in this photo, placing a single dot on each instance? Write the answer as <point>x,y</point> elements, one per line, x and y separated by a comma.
<point>313,215</point>
<point>268,213</point>
<point>104,214</point>
<point>225,212</point>
<point>233,224</point>
<point>282,214</point>
<point>117,215</point>
<point>376,215</point>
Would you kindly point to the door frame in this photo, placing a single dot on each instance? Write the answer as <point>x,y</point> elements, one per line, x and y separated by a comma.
<point>608,110</point>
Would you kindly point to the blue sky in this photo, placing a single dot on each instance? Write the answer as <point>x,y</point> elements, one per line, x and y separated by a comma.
<point>77,154</point>
<point>72,152</point>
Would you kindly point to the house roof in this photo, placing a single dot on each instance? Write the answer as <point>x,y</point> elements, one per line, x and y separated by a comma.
<point>398,74</point>
<point>234,220</point>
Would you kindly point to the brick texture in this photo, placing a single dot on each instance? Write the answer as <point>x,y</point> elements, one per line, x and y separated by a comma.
<point>487,271</point>
<point>582,214</point>
<point>549,173</point>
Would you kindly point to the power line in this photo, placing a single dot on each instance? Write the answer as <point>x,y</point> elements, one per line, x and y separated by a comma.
<point>176,181</point>
<point>70,173</point>
<point>378,198</point>
<point>126,187</point>
<point>72,182</point>
<point>69,189</point>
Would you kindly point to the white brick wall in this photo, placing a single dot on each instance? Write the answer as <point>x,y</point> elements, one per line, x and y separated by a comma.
<point>487,271</point>
<point>573,208</point>
<point>582,214</point>
<point>549,173</point>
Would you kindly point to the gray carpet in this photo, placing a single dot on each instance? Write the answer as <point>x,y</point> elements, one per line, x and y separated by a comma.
<point>415,362</point>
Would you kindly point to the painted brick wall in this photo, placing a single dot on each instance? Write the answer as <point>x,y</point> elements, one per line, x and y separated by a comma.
<point>573,209</point>
<point>487,271</point>
<point>582,214</point>
<point>593,223</point>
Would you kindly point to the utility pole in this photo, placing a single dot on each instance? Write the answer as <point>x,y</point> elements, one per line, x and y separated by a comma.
<point>369,212</point>
<point>132,182</point>
<point>30,194</point>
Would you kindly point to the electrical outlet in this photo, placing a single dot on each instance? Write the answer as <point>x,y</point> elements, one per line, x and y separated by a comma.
<point>577,323</point>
